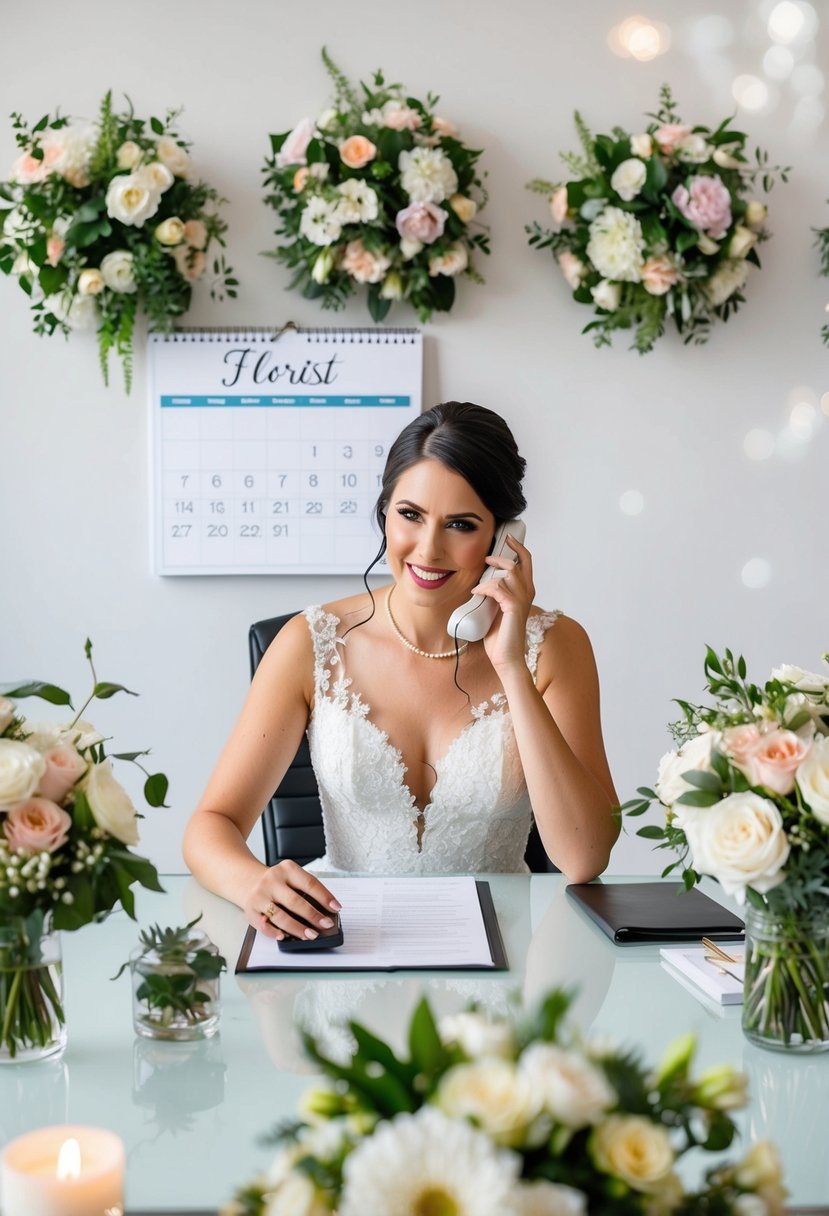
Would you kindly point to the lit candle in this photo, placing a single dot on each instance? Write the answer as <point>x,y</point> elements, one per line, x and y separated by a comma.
<point>63,1171</point>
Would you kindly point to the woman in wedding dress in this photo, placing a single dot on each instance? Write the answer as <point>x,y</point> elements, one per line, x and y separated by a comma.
<point>431,756</point>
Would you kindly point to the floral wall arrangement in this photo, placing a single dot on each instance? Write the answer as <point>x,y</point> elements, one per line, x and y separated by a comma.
<point>100,220</point>
<point>658,225</point>
<point>377,191</point>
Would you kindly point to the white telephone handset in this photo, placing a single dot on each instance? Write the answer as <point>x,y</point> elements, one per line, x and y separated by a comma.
<point>472,620</point>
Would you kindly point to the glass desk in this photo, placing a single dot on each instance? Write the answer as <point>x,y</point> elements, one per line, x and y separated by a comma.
<point>192,1115</point>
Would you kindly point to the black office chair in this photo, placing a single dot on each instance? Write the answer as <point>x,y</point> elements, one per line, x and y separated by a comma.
<point>292,820</point>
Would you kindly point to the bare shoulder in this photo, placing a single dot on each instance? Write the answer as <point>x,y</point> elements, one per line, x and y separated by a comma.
<point>565,653</point>
<point>353,609</point>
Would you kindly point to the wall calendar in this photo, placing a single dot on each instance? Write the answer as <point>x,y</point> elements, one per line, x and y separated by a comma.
<point>268,448</point>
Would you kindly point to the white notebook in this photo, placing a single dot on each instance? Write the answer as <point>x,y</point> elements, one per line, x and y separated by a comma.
<point>720,980</point>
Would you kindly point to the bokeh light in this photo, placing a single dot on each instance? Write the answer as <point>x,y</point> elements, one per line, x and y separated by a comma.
<point>756,573</point>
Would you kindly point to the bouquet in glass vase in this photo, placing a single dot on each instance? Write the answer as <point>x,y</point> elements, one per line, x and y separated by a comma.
<point>517,1117</point>
<point>379,191</point>
<point>746,801</point>
<point>67,828</point>
<point>657,225</point>
<point>102,220</point>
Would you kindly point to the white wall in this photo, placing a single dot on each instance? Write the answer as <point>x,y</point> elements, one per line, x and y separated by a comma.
<point>651,589</point>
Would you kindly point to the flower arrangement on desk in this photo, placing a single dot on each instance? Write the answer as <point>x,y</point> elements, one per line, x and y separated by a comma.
<point>378,191</point>
<point>746,801</point>
<point>657,226</point>
<point>66,831</point>
<point>509,1118</point>
<point>101,219</point>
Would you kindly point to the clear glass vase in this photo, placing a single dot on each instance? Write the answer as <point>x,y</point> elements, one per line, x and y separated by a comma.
<point>32,1024</point>
<point>175,998</point>
<point>786,988</point>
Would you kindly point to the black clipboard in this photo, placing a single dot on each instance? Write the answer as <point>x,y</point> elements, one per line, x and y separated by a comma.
<point>305,962</point>
<point>633,913</point>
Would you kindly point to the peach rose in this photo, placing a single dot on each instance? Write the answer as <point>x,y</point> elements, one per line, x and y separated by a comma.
<point>195,234</point>
<point>442,126</point>
<point>558,205</point>
<point>464,208</point>
<point>669,136</point>
<point>37,826</point>
<point>398,117</point>
<point>740,742</point>
<point>190,263</point>
<point>300,178</point>
<point>422,222</point>
<point>572,268</point>
<point>54,249</point>
<point>362,264</point>
<point>63,768</point>
<point>357,151</point>
<point>450,263</point>
<point>774,762</point>
<point>27,169</point>
<point>658,275</point>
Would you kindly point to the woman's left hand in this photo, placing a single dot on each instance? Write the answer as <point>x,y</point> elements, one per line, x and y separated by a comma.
<point>513,593</point>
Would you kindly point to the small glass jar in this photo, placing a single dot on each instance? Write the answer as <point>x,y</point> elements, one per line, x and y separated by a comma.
<point>786,986</point>
<point>175,995</point>
<point>32,1025</point>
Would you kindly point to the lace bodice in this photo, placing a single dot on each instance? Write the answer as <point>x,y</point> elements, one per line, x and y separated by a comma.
<point>478,817</point>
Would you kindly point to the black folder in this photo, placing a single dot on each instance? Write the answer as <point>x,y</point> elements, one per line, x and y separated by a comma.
<point>634,912</point>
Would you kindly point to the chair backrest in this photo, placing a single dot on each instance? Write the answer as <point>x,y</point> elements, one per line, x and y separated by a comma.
<point>292,820</point>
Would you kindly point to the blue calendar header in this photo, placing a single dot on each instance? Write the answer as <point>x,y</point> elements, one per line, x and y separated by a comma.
<point>172,402</point>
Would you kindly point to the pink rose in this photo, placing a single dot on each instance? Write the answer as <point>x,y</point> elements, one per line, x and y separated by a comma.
<point>401,118</point>
<point>774,762</point>
<point>357,151</point>
<point>658,275</point>
<point>572,268</point>
<point>740,742</point>
<point>422,222</point>
<point>362,264</point>
<point>195,234</point>
<point>558,205</point>
<point>37,826</point>
<point>54,249</point>
<point>27,169</point>
<point>669,136</point>
<point>442,126</point>
<point>295,146</point>
<point>706,204</point>
<point>63,768</point>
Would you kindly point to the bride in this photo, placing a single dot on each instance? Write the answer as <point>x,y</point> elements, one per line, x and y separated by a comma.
<point>430,756</point>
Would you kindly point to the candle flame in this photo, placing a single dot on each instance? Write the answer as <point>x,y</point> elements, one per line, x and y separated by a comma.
<point>69,1160</point>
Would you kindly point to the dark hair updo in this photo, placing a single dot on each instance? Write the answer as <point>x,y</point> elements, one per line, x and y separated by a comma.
<point>468,439</point>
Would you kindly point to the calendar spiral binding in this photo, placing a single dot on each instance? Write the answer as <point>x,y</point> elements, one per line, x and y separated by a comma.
<point>266,333</point>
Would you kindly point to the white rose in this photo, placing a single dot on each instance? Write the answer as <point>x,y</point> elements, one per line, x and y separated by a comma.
<point>476,1035</point>
<point>693,756</point>
<point>296,1196</point>
<point>493,1094</point>
<point>729,277</point>
<point>82,314</point>
<point>547,1199</point>
<point>131,199</point>
<point>171,154</point>
<point>392,288</point>
<point>111,804</point>
<point>170,231</point>
<point>634,1149</point>
<point>629,178</point>
<point>118,269</point>
<point>741,242</point>
<point>812,777</point>
<point>464,208</point>
<point>7,712</point>
<point>21,768</point>
<point>804,681</point>
<point>155,175</point>
<point>607,295</point>
<point>570,1088</point>
<point>641,145</point>
<point>90,282</point>
<point>128,155</point>
<point>722,156</point>
<point>756,214</point>
<point>323,266</point>
<point>410,248</point>
<point>739,841</point>
<point>693,150</point>
<point>616,245</point>
<point>706,245</point>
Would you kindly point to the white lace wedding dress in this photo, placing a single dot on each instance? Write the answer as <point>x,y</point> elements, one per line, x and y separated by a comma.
<point>479,815</point>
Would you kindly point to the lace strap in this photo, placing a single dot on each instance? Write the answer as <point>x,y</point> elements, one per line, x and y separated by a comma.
<point>537,627</point>
<point>323,629</point>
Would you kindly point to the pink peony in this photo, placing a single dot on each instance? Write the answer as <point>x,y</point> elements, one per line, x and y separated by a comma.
<point>63,768</point>
<point>706,204</point>
<point>357,151</point>
<point>362,264</point>
<point>658,275</point>
<point>669,136</point>
<point>37,826</point>
<point>773,763</point>
<point>422,222</point>
<point>296,144</point>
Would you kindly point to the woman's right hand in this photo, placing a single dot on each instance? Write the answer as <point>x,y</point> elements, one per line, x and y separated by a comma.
<point>278,897</point>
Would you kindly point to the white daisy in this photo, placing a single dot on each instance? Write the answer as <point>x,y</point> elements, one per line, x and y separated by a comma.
<point>358,205</point>
<point>427,175</point>
<point>319,222</point>
<point>426,1162</point>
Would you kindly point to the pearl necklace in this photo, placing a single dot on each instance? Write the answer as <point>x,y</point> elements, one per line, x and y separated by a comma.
<point>424,654</point>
